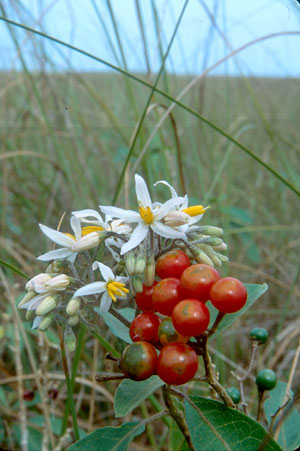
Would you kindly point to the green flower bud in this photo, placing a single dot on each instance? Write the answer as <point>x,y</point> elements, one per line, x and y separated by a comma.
<point>137,284</point>
<point>45,323</point>
<point>30,295</point>
<point>70,339</point>
<point>58,266</point>
<point>149,271</point>
<point>73,320</point>
<point>212,241</point>
<point>29,315</point>
<point>47,305</point>
<point>130,262</point>
<point>201,257</point>
<point>73,306</point>
<point>140,264</point>
<point>213,231</point>
<point>223,258</point>
<point>216,261</point>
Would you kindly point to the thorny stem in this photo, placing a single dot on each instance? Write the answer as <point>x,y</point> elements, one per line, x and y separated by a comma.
<point>177,415</point>
<point>211,379</point>
<point>241,379</point>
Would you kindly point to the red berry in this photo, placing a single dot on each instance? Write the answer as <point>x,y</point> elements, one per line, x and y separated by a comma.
<point>177,363</point>
<point>139,360</point>
<point>144,327</point>
<point>197,280</point>
<point>166,295</point>
<point>168,334</point>
<point>190,317</point>
<point>172,264</point>
<point>144,299</point>
<point>28,395</point>
<point>228,295</point>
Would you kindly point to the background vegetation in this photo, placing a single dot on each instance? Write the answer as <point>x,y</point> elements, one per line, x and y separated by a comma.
<point>65,138</point>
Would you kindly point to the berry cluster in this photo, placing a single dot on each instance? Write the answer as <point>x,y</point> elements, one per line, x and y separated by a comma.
<point>179,302</point>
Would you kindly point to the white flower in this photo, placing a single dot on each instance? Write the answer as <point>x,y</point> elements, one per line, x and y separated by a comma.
<point>58,283</point>
<point>182,216</point>
<point>97,223</point>
<point>37,283</point>
<point>150,215</point>
<point>112,287</point>
<point>72,244</point>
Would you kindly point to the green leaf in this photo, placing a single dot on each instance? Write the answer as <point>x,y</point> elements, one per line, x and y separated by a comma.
<point>109,438</point>
<point>176,438</point>
<point>115,326</point>
<point>220,428</point>
<point>254,292</point>
<point>130,394</point>
<point>289,435</point>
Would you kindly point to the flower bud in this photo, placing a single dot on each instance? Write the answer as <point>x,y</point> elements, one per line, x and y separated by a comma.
<point>28,296</point>
<point>149,271</point>
<point>58,266</point>
<point>86,242</point>
<point>73,306</point>
<point>29,315</point>
<point>212,241</point>
<point>137,284</point>
<point>216,261</point>
<point>223,258</point>
<point>130,262</point>
<point>37,283</point>
<point>201,257</point>
<point>70,339</point>
<point>47,305</point>
<point>140,264</point>
<point>58,283</point>
<point>45,323</point>
<point>73,320</point>
<point>211,231</point>
<point>176,218</point>
<point>222,247</point>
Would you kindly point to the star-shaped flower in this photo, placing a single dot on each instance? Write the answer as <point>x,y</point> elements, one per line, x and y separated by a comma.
<point>149,216</point>
<point>112,288</point>
<point>72,244</point>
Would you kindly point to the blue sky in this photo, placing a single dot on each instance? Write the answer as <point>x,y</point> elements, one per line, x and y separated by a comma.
<point>198,44</point>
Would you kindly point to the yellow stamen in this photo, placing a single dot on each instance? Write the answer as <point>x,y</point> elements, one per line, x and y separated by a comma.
<point>195,210</point>
<point>146,214</point>
<point>89,229</point>
<point>116,288</point>
<point>71,236</point>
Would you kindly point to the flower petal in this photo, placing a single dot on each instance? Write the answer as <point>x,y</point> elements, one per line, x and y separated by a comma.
<point>165,231</point>
<point>194,219</point>
<point>37,321</point>
<point>106,272</point>
<point>105,303</point>
<point>91,288</point>
<point>126,215</point>
<point>76,227</point>
<point>34,303</point>
<point>88,213</point>
<point>58,237</point>
<point>142,192</point>
<point>57,254</point>
<point>137,236</point>
<point>164,209</point>
<point>163,182</point>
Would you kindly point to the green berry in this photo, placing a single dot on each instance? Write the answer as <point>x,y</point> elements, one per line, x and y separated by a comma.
<point>234,394</point>
<point>259,334</point>
<point>266,380</point>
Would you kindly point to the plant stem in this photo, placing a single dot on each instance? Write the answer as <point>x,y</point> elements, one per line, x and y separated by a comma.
<point>177,415</point>
<point>114,377</point>
<point>211,379</point>
<point>70,399</point>
<point>260,403</point>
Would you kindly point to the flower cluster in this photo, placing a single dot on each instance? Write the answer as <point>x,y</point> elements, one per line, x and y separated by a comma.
<point>128,243</point>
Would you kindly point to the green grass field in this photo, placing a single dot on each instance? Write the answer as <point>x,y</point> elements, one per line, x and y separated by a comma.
<point>71,141</point>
